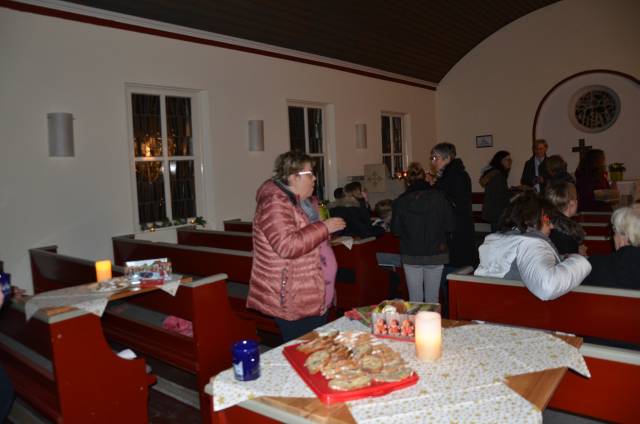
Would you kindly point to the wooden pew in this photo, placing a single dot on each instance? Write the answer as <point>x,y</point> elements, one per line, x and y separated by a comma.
<point>234,240</point>
<point>238,225</point>
<point>588,311</point>
<point>587,216</point>
<point>62,366</point>
<point>201,261</point>
<point>202,301</point>
<point>596,228</point>
<point>599,245</point>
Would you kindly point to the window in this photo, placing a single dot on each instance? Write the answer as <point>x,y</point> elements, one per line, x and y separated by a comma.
<point>164,156</point>
<point>392,143</point>
<point>306,134</point>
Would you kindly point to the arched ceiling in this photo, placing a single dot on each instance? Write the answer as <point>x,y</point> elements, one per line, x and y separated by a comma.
<point>419,39</point>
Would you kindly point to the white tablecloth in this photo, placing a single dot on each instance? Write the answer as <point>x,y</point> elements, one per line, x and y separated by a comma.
<point>466,384</point>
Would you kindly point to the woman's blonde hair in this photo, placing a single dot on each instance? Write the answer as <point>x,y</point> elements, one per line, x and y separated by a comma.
<point>560,193</point>
<point>290,163</point>
<point>626,222</point>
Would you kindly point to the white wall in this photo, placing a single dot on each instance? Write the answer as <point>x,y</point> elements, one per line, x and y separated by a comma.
<point>53,65</point>
<point>497,87</point>
<point>618,141</point>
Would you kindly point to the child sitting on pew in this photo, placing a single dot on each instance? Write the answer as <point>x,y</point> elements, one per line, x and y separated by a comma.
<point>521,250</point>
<point>567,235</point>
<point>355,213</point>
<point>621,268</point>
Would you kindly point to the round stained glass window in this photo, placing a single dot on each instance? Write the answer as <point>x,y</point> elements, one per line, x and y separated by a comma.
<point>594,108</point>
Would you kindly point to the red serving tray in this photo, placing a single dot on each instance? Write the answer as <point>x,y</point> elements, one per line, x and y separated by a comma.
<point>320,385</point>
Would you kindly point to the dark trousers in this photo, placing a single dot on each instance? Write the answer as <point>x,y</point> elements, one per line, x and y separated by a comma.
<point>6,395</point>
<point>444,290</point>
<point>293,329</point>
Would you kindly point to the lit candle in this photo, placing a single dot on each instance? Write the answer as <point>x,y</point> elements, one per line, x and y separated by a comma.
<point>103,270</point>
<point>428,336</point>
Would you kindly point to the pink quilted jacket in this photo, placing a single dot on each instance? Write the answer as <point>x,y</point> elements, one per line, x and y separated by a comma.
<point>286,274</point>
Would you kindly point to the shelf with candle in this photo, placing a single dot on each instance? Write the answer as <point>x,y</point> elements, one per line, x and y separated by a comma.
<point>103,270</point>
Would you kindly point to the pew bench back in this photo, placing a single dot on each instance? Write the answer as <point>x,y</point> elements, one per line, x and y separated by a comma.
<point>233,240</point>
<point>63,367</point>
<point>202,301</point>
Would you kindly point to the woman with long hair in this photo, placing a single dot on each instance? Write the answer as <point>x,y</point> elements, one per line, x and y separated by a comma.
<point>521,250</point>
<point>591,175</point>
<point>496,188</point>
<point>422,218</point>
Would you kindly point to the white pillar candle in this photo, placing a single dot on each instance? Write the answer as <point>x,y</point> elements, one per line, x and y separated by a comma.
<point>428,336</point>
<point>103,270</point>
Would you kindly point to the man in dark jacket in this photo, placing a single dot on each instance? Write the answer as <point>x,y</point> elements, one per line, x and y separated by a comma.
<point>535,173</point>
<point>455,182</point>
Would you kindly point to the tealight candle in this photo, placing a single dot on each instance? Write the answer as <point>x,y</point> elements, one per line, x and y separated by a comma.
<point>428,336</point>
<point>103,270</point>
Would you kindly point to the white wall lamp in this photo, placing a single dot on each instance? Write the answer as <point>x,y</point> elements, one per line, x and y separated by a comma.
<point>60,126</point>
<point>361,136</point>
<point>256,136</point>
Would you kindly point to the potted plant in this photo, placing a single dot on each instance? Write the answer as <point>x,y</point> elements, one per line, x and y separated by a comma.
<point>616,171</point>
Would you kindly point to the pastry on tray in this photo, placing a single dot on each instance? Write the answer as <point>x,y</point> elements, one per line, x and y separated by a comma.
<point>353,360</point>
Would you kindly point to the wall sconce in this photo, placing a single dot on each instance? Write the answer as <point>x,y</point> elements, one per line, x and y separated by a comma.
<point>60,127</point>
<point>256,136</point>
<point>361,136</point>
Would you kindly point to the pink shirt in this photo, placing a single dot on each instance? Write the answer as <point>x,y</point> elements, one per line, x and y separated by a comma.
<point>329,270</point>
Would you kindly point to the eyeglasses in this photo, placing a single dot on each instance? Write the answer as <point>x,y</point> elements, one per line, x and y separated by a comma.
<point>434,157</point>
<point>310,173</point>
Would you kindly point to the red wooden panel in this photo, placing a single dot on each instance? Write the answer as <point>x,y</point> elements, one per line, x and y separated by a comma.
<point>241,226</point>
<point>593,217</point>
<point>239,415</point>
<point>610,394</point>
<point>585,314</point>
<point>597,231</point>
<point>599,247</point>
<point>215,239</point>
<point>477,198</point>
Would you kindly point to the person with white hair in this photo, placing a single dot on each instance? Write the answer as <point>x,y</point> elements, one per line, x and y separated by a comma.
<point>621,268</point>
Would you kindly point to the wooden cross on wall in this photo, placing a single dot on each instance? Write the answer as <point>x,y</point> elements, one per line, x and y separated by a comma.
<point>581,148</point>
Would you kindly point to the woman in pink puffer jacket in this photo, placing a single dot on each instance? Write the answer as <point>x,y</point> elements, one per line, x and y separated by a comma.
<point>293,270</point>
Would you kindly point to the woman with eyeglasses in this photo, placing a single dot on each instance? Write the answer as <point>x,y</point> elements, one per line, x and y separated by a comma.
<point>293,271</point>
<point>522,250</point>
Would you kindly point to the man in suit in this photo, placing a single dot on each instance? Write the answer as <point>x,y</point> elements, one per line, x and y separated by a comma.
<point>535,173</point>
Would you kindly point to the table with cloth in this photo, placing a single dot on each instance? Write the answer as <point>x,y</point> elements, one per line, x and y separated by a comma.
<point>487,373</point>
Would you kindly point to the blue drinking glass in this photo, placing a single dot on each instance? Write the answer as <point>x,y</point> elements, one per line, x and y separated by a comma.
<point>246,360</point>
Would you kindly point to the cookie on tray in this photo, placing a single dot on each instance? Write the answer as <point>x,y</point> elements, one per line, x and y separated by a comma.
<point>317,360</point>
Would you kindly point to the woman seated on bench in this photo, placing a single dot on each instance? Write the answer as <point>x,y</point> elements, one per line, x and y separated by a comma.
<point>621,268</point>
<point>521,250</point>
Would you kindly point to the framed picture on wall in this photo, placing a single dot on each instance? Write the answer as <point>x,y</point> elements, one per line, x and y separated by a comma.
<point>484,141</point>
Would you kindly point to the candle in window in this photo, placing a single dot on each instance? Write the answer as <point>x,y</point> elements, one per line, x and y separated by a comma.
<point>428,336</point>
<point>103,270</point>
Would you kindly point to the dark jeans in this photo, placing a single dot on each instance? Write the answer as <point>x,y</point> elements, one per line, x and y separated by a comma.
<point>6,395</point>
<point>299,327</point>
<point>444,290</point>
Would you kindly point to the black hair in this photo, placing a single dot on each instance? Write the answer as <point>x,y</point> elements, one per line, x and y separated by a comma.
<point>524,212</point>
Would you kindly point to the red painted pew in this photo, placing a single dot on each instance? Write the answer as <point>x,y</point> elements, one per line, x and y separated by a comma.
<point>588,311</point>
<point>61,365</point>
<point>234,240</point>
<point>202,301</point>
<point>238,225</point>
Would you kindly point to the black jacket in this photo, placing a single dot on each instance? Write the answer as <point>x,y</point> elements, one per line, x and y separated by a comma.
<point>356,217</point>
<point>422,218</point>
<point>529,172</point>
<point>620,269</point>
<point>567,235</point>
<point>456,185</point>
<point>496,195</point>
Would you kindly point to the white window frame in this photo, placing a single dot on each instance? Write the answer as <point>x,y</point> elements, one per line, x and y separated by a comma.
<point>328,152</point>
<point>197,136</point>
<point>404,135</point>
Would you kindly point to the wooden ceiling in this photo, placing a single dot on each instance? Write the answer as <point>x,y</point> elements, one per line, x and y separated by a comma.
<point>419,39</point>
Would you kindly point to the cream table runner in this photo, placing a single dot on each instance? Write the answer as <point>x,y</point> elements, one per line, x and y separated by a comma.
<point>466,384</point>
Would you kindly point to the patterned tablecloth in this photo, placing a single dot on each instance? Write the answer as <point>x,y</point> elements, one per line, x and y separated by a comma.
<point>84,297</point>
<point>466,384</point>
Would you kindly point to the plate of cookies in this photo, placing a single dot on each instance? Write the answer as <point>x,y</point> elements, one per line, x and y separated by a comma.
<point>344,366</point>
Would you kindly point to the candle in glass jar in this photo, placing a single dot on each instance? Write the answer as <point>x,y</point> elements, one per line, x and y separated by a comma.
<point>428,336</point>
<point>103,270</point>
